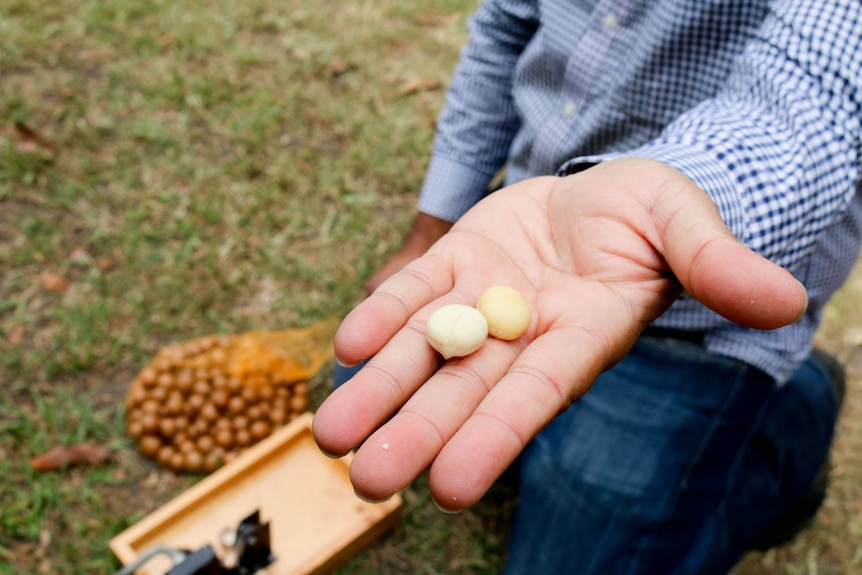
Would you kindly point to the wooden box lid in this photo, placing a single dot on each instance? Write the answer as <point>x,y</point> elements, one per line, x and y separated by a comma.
<point>316,521</point>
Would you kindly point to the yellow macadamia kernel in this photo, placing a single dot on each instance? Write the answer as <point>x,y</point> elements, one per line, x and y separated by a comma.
<point>506,311</point>
<point>456,330</point>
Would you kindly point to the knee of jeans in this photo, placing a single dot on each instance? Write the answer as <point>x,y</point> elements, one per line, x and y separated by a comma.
<point>816,385</point>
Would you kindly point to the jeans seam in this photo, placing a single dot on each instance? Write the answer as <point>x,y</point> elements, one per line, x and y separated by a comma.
<point>731,396</point>
<point>733,472</point>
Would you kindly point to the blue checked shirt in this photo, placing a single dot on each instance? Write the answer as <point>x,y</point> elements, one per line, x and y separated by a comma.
<point>759,102</point>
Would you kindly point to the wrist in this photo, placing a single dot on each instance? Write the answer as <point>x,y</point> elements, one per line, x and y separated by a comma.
<point>426,230</point>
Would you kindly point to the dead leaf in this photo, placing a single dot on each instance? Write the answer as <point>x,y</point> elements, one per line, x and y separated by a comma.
<point>80,257</point>
<point>16,335</point>
<point>28,140</point>
<point>44,537</point>
<point>339,67</point>
<point>64,456</point>
<point>151,480</point>
<point>54,283</point>
<point>301,165</point>
<point>418,85</point>
<point>105,263</point>
<point>436,19</point>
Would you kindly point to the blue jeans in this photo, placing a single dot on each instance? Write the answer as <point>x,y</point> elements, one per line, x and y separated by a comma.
<point>671,464</point>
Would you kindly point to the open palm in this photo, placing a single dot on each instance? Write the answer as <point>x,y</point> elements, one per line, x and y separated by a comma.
<point>598,256</point>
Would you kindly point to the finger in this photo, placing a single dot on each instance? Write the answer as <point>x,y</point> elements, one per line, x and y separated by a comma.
<point>726,276</point>
<point>397,453</point>
<point>373,322</point>
<point>548,376</point>
<point>358,407</point>
<point>744,287</point>
<point>684,224</point>
<point>370,325</point>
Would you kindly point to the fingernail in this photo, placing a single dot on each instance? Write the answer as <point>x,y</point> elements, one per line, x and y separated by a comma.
<point>369,500</point>
<point>444,509</point>
<point>345,364</point>
<point>333,455</point>
<point>804,291</point>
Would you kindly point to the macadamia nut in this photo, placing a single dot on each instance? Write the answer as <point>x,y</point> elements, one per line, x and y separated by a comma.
<point>197,418</point>
<point>456,330</point>
<point>506,311</point>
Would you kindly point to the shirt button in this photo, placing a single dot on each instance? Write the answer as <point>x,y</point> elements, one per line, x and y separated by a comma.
<point>570,108</point>
<point>610,21</point>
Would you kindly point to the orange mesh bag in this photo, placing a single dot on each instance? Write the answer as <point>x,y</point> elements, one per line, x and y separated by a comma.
<point>200,403</point>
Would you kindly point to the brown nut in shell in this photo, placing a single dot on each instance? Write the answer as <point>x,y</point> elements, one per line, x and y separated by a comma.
<point>150,445</point>
<point>187,411</point>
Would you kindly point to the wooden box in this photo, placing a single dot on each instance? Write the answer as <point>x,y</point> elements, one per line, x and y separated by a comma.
<point>316,521</point>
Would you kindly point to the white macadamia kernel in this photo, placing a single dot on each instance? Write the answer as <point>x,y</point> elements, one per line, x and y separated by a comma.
<point>506,310</point>
<point>456,330</point>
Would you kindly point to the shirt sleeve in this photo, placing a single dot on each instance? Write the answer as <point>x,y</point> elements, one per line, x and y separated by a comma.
<point>479,120</point>
<point>778,148</point>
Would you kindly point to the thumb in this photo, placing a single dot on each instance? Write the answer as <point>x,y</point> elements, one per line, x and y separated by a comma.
<point>726,276</point>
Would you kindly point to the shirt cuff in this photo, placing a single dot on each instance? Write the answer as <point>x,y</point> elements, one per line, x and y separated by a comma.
<point>451,189</point>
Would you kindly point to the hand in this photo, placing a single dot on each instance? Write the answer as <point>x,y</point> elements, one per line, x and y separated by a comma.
<point>426,230</point>
<point>598,255</point>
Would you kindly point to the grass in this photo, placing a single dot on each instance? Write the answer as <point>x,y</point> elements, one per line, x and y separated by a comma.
<point>50,516</point>
<point>204,167</point>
